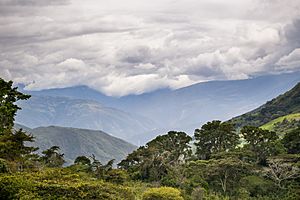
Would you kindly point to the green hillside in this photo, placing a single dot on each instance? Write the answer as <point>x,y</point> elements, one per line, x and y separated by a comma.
<point>283,124</point>
<point>272,124</point>
<point>283,105</point>
<point>75,142</point>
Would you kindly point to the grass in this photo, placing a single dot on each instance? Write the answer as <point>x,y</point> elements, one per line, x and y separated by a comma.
<point>271,125</point>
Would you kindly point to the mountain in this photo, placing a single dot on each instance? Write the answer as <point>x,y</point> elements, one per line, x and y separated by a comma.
<point>80,113</point>
<point>137,118</point>
<point>76,142</point>
<point>282,106</point>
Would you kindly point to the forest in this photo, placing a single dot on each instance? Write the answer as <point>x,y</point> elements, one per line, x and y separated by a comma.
<point>222,160</point>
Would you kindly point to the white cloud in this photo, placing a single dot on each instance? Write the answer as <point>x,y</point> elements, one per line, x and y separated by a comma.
<point>138,46</point>
<point>290,61</point>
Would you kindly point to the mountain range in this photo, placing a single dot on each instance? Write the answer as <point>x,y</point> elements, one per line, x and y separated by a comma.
<point>138,118</point>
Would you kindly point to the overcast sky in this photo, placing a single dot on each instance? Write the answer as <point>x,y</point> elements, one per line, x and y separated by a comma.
<point>134,46</point>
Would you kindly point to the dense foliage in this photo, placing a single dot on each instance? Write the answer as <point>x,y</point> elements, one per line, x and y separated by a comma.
<point>248,163</point>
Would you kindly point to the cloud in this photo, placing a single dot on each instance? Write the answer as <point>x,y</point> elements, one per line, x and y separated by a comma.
<point>291,61</point>
<point>141,46</point>
<point>33,2</point>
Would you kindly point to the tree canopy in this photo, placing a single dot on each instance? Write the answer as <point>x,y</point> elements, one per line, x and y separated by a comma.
<point>215,137</point>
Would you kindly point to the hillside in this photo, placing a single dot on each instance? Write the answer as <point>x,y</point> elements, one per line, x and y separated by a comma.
<point>283,124</point>
<point>80,113</point>
<point>283,105</point>
<point>75,142</point>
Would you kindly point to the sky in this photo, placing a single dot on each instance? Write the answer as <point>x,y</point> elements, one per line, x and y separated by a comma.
<point>130,47</point>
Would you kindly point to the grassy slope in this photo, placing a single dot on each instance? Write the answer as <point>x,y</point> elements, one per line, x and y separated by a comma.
<point>285,104</point>
<point>271,125</point>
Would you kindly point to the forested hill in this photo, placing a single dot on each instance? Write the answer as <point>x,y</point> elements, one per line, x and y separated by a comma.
<point>75,142</point>
<point>285,104</point>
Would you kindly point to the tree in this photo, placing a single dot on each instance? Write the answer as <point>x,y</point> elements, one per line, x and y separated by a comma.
<point>291,141</point>
<point>12,142</point>
<point>100,170</point>
<point>83,160</point>
<point>226,173</point>
<point>8,96</point>
<point>52,158</point>
<point>12,145</point>
<point>153,160</point>
<point>215,137</point>
<point>262,143</point>
<point>174,146</point>
<point>279,170</point>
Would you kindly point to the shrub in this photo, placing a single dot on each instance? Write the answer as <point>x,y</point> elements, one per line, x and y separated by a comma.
<point>3,166</point>
<point>116,176</point>
<point>257,186</point>
<point>198,193</point>
<point>59,184</point>
<point>162,193</point>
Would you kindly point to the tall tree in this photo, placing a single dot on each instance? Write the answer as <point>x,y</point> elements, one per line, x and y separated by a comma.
<point>52,157</point>
<point>262,143</point>
<point>215,137</point>
<point>291,141</point>
<point>9,95</point>
<point>12,145</point>
<point>12,142</point>
<point>153,160</point>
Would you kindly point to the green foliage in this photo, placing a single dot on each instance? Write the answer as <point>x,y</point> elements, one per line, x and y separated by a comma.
<point>82,160</point>
<point>257,186</point>
<point>224,174</point>
<point>52,158</point>
<point>162,193</point>
<point>152,161</point>
<point>59,184</point>
<point>291,141</point>
<point>117,176</point>
<point>262,143</point>
<point>12,142</point>
<point>8,96</point>
<point>3,166</point>
<point>12,145</point>
<point>215,137</point>
<point>284,124</point>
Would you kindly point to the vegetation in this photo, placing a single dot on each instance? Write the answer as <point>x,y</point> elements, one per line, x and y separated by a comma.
<point>162,193</point>
<point>215,137</point>
<point>252,163</point>
<point>286,104</point>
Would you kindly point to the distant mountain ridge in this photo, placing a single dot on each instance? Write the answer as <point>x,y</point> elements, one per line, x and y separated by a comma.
<point>80,113</point>
<point>138,118</point>
<point>75,142</point>
<point>283,105</point>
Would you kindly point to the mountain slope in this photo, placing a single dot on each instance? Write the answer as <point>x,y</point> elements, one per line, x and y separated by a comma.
<point>80,113</point>
<point>75,142</point>
<point>285,104</point>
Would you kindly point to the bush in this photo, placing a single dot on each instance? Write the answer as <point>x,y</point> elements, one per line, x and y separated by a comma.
<point>258,186</point>
<point>117,176</point>
<point>3,166</point>
<point>162,193</point>
<point>198,193</point>
<point>59,184</point>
